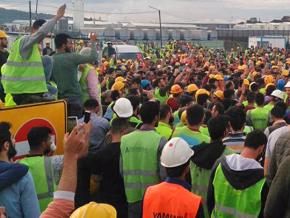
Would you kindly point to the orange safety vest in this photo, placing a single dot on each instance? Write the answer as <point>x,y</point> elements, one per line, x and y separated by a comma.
<point>170,200</point>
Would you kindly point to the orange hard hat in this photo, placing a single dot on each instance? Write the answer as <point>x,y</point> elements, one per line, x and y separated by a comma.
<point>192,88</point>
<point>219,94</point>
<point>176,89</point>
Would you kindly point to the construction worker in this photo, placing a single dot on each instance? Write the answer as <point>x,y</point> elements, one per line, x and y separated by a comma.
<point>206,155</point>
<point>201,97</point>
<point>173,101</point>
<point>191,90</point>
<point>140,155</point>
<point>166,118</point>
<point>46,171</point>
<point>237,187</point>
<point>191,133</point>
<point>3,58</point>
<point>89,81</point>
<point>259,117</point>
<point>172,198</point>
<point>23,75</point>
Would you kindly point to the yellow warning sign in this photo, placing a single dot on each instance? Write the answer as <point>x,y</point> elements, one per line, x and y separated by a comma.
<point>25,117</point>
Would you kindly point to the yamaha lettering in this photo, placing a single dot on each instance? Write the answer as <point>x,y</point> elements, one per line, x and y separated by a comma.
<point>167,215</point>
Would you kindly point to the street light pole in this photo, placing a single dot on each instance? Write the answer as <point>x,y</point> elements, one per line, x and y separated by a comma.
<point>160,24</point>
<point>36,10</point>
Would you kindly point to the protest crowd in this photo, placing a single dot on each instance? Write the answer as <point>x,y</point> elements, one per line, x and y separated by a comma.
<point>183,131</point>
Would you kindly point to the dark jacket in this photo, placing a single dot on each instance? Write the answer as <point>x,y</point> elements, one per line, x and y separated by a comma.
<point>239,180</point>
<point>11,173</point>
<point>206,154</point>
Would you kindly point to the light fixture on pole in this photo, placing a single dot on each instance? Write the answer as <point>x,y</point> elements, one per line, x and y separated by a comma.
<point>159,13</point>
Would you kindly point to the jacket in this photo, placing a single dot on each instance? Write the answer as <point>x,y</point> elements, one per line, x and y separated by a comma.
<point>241,173</point>
<point>17,193</point>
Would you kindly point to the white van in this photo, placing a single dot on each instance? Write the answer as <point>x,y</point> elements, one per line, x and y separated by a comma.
<point>127,52</point>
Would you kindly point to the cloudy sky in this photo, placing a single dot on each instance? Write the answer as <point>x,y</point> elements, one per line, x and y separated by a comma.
<point>172,10</point>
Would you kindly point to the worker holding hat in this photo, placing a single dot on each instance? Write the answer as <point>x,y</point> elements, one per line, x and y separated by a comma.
<point>172,198</point>
<point>3,58</point>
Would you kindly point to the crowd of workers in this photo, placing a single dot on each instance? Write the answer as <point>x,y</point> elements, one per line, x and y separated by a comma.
<point>183,132</point>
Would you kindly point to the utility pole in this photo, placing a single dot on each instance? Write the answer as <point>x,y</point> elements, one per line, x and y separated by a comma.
<point>36,10</point>
<point>30,16</point>
<point>160,24</point>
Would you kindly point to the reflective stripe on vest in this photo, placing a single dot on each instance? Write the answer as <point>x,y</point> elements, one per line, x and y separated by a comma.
<point>24,64</point>
<point>233,212</point>
<point>139,173</point>
<point>41,170</point>
<point>10,78</point>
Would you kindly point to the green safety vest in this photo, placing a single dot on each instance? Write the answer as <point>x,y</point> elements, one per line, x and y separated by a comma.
<point>139,161</point>
<point>160,98</point>
<point>84,83</point>
<point>259,118</point>
<point>269,107</point>
<point>21,76</point>
<point>41,170</point>
<point>164,130</point>
<point>230,202</point>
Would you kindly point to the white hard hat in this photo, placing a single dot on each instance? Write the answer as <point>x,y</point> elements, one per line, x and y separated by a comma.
<point>175,153</point>
<point>287,85</point>
<point>278,94</point>
<point>123,108</point>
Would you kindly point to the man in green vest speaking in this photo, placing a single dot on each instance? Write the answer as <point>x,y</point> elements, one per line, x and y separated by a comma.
<point>45,170</point>
<point>23,75</point>
<point>237,186</point>
<point>140,158</point>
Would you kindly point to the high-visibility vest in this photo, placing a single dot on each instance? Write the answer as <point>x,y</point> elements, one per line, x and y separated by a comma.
<point>164,130</point>
<point>259,118</point>
<point>42,172</point>
<point>230,202</point>
<point>23,76</point>
<point>84,83</point>
<point>139,161</point>
<point>170,200</point>
<point>160,98</point>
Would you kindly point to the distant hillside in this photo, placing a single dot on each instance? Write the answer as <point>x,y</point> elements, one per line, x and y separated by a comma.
<point>8,15</point>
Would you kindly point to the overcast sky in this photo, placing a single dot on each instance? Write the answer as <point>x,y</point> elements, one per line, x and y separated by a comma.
<point>172,10</point>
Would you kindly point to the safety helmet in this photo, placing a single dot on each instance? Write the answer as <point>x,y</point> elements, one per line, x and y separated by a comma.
<point>285,73</point>
<point>269,79</point>
<point>192,88</point>
<point>176,89</point>
<point>219,94</point>
<point>287,85</point>
<point>93,209</point>
<point>201,92</point>
<point>218,77</point>
<point>175,153</point>
<point>278,94</point>
<point>246,82</point>
<point>118,86</point>
<point>183,117</point>
<point>123,108</point>
<point>3,34</point>
<point>120,79</point>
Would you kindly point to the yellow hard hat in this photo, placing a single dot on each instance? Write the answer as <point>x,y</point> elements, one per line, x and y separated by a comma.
<point>183,118</point>
<point>240,68</point>
<point>219,94</point>
<point>192,88</point>
<point>258,63</point>
<point>120,79</point>
<point>3,34</point>
<point>118,86</point>
<point>201,92</point>
<point>218,77</point>
<point>176,89</point>
<point>275,67</point>
<point>269,79</point>
<point>255,73</point>
<point>81,41</point>
<point>246,82</point>
<point>92,210</point>
<point>285,73</point>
